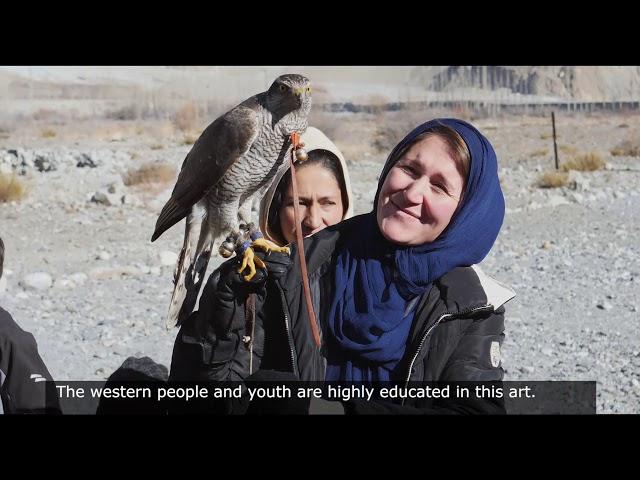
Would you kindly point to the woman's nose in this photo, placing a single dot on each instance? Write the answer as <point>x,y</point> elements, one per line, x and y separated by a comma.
<point>414,193</point>
<point>312,219</point>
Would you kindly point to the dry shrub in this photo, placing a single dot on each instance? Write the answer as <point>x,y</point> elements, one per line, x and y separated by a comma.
<point>112,131</point>
<point>48,133</point>
<point>150,173</point>
<point>391,128</point>
<point>586,162</point>
<point>11,188</point>
<point>628,148</point>
<point>127,112</point>
<point>160,131</point>
<point>187,118</point>
<point>45,114</point>
<point>545,136</point>
<point>387,137</point>
<point>553,179</point>
<point>377,103</point>
<point>189,139</point>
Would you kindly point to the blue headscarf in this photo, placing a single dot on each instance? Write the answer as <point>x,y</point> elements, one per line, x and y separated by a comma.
<point>377,282</point>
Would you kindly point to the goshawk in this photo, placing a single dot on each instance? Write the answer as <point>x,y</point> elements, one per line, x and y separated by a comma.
<point>230,166</point>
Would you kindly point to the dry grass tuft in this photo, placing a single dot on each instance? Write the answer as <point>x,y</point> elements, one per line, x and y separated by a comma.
<point>628,148</point>
<point>127,112</point>
<point>46,114</point>
<point>189,139</point>
<point>151,173</point>
<point>543,152</point>
<point>187,118</point>
<point>161,131</point>
<point>48,133</point>
<point>392,127</point>
<point>11,188</point>
<point>586,162</point>
<point>553,179</point>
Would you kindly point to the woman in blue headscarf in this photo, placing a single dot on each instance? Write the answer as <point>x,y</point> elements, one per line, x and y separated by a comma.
<point>397,292</point>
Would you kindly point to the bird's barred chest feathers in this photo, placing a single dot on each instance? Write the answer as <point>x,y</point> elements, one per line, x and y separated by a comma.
<point>259,165</point>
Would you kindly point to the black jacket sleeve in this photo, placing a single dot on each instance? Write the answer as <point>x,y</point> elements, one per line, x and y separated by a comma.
<point>26,385</point>
<point>476,359</point>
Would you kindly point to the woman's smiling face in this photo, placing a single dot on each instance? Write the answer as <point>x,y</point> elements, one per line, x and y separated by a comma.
<point>420,193</point>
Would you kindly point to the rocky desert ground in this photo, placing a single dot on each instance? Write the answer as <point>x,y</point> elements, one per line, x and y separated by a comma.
<point>82,275</point>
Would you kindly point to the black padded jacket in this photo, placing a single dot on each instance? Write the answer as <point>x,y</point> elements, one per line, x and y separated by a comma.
<point>456,336</point>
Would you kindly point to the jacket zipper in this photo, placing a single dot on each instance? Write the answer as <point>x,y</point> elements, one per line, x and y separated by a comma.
<point>428,332</point>
<point>286,326</point>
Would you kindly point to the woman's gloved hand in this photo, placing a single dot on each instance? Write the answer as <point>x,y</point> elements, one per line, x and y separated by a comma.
<point>232,284</point>
<point>226,290</point>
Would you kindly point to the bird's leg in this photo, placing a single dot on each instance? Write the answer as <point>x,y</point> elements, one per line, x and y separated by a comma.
<point>244,211</point>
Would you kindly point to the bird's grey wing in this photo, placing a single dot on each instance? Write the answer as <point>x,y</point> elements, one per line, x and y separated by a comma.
<point>220,145</point>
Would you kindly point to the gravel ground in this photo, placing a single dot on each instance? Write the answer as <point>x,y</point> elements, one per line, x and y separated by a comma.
<point>83,277</point>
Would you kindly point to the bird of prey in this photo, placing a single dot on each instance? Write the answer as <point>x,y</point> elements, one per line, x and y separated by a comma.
<point>230,166</point>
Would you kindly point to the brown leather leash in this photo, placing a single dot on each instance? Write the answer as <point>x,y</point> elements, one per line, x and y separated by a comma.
<point>295,140</point>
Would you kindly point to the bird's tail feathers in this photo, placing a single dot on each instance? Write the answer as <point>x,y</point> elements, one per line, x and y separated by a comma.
<point>194,280</point>
<point>180,274</point>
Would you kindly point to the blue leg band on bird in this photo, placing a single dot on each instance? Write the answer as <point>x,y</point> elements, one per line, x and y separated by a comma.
<point>242,248</point>
<point>295,140</point>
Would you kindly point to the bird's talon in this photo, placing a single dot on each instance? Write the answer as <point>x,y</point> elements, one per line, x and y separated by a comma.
<point>259,263</point>
<point>269,247</point>
<point>251,274</point>
<point>249,260</point>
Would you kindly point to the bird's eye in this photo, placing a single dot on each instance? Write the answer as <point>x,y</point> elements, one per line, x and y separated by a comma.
<point>283,88</point>
<point>308,89</point>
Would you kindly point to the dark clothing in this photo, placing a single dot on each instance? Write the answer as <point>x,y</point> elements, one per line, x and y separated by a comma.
<point>135,372</point>
<point>456,334</point>
<point>26,385</point>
